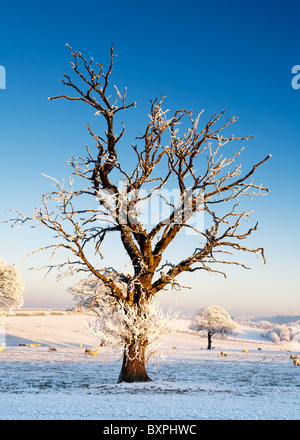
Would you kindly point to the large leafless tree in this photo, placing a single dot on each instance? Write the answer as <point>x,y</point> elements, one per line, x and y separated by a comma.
<point>174,151</point>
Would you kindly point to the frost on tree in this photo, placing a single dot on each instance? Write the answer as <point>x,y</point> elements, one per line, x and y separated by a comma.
<point>11,287</point>
<point>114,182</point>
<point>119,324</point>
<point>213,320</point>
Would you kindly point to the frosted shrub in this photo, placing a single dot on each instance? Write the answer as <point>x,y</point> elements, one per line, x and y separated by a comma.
<point>295,333</point>
<point>118,323</point>
<point>89,292</point>
<point>11,287</point>
<point>264,324</point>
<point>282,333</point>
<point>273,336</point>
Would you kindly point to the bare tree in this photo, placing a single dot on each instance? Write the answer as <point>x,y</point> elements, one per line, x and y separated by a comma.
<point>213,320</point>
<point>192,161</point>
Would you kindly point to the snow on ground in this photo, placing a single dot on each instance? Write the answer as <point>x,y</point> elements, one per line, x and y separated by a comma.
<point>189,383</point>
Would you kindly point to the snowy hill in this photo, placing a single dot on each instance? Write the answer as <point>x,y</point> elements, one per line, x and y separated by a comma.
<point>251,330</point>
<point>189,381</point>
<point>280,319</point>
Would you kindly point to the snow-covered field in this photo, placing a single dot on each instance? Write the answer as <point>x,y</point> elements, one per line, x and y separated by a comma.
<point>189,383</point>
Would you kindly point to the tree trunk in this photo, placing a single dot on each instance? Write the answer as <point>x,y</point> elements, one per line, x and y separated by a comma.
<point>209,340</point>
<point>134,365</point>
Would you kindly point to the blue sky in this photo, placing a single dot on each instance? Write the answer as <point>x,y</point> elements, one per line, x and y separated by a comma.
<point>236,56</point>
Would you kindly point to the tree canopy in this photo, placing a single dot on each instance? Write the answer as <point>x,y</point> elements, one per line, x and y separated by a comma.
<point>213,320</point>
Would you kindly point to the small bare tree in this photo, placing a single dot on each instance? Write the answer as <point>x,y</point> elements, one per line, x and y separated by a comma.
<point>213,320</point>
<point>192,161</point>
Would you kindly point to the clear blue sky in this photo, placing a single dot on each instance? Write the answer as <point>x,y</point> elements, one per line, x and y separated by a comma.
<point>216,55</point>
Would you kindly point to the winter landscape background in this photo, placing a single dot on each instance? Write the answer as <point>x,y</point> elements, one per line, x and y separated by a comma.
<point>241,57</point>
<point>189,381</point>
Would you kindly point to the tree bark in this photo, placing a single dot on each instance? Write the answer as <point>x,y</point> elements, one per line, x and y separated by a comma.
<point>209,335</point>
<point>134,364</point>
